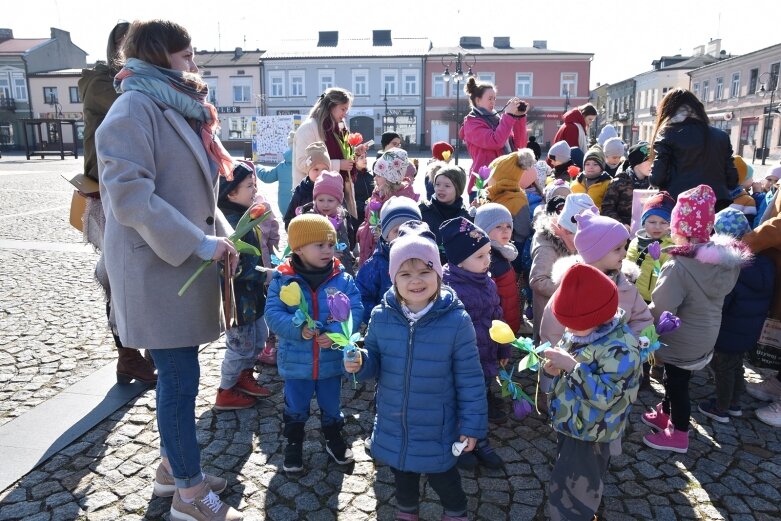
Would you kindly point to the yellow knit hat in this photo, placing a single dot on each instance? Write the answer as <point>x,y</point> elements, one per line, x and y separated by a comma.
<point>741,167</point>
<point>309,228</point>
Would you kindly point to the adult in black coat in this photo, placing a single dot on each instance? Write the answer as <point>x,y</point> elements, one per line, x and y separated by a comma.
<point>535,147</point>
<point>689,152</point>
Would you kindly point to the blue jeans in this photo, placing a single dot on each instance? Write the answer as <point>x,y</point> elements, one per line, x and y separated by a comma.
<point>244,344</point>
<point>178,374</point>
<point>298,395</point>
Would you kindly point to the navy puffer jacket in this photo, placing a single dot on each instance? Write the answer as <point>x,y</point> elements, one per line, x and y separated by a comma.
<point>430,386</point>
<point>746,307</point>
<point>373,278</point>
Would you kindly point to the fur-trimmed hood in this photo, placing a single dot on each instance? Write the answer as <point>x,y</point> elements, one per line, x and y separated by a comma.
<point>628,274</point>
<point>542,227</point>
<point>721,249</point>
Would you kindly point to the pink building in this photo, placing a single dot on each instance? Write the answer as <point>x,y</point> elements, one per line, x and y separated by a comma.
<point>552,82</point>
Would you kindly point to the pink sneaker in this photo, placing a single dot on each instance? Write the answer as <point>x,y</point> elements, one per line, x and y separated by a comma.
<point>656,419</point>
<point>668,439</point>
<point>269,354</point>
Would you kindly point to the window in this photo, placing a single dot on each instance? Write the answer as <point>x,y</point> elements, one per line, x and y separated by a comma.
<point>752,81</point>
<point>523,84</point>
<point>389,82</point>
<point>696,89</point>
<point>773,81</point>
<point>325,78</point>
<point>276,81</point>
<point>212,84</point>
<point>719,89</point>
<point>242,90</point>
<point>20,86</point>
<point>642,99</point>
<point>734,90</point>
<point>569,84</point>
<point>239,128</point>
<point>410,82</point>
<point>5,86</point>
<point>296,79</point>
<point>74,94</point>
<point>360,82</point>
<point>487,77</point>
<point>50,96</point>
<point>438,86</point>
<point>706,91</point>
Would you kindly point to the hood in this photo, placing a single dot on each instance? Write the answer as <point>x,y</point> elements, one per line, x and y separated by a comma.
<point>287,155</point>
<point>628,275</point>
<point>574,116</point>
<point>707,262</point>
<point>542,226</point>
<point>604,176</point>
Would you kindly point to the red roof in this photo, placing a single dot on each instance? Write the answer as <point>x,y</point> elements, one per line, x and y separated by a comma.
<point>20,45</point>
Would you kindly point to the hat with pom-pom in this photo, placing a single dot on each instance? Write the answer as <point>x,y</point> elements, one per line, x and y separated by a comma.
<point>439,147</point>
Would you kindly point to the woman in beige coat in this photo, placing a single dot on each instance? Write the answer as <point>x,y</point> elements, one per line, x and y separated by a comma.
<point>159,162</point>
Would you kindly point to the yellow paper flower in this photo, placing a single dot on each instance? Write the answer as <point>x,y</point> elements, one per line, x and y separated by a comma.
<point>446,155</point>
<point>501,332</point>
<point>291,294</point>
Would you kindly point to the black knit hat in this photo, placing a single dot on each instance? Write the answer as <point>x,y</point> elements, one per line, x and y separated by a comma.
<point>387,137</point>
<point>241,170</point>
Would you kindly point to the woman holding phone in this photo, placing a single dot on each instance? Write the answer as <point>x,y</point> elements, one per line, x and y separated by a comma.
<point>487,134</point>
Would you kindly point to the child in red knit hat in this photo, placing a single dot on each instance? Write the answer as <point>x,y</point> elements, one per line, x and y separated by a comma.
<point>596,370</point>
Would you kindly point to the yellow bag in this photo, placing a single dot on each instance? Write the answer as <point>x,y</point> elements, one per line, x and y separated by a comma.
<point>78,207</point>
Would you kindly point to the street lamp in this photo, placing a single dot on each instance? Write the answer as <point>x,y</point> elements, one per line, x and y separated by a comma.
<point>770,79</point>
<point>458,77</point>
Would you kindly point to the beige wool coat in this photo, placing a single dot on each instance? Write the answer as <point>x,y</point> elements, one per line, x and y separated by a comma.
<point>159,194</point>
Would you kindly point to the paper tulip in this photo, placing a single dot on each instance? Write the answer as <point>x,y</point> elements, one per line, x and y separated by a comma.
<point>339,306</point>
<point>501,333</point>
<point>521,409</point>
<point>291,294</point>
<point>446,155</point>
<point>484,172</point>
<point>355,139</point>
<point>667,323</point>
<point>375,205</point>
<point>573,171</point>
<point>655,250</point>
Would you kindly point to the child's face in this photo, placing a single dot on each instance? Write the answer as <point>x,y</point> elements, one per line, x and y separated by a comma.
<point>316,255</point>
<point>394,232</point>
<point>416,283</point>
<point>444,190</point>
<point>501,233</point>
<point>315,170</point>
<point>479,261</point>
<point>767,183</point>
<point>613,161</point>
<point>612,261</point>
<point>592,169</point>
<point>582,332</point>
<point>556,162</point>
<point>326,204</point>
<point>379,181</point>
<point>244,194</point>
<point>656,227</point>
<point>643,169</point>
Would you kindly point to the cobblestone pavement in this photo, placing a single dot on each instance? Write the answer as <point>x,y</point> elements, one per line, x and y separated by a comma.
<point>51,334</point>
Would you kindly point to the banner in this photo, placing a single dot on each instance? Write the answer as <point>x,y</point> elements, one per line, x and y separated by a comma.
<point>270,136</point>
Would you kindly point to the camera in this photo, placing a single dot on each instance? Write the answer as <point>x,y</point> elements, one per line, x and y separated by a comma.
<point>522,106</point>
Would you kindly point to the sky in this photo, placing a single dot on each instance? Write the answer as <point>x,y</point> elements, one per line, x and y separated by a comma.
<point>624,36</point>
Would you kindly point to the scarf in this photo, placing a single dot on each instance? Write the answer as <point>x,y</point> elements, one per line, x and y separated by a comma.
<point>184,93</point>
<point>448,211</point>
<point>508,251</point>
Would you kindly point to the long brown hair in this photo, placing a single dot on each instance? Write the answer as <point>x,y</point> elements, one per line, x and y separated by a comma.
<point>114,46</point>
<point>321,111</point>
<point>476,90</point>
<point>153,41</point>
<point>668,108</point>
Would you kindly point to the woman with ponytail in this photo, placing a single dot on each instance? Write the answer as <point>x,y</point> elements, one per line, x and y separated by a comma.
<point>487,134</point>
<point>160,161</point>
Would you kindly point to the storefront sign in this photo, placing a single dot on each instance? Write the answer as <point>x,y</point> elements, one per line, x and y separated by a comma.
<point>228,110</point>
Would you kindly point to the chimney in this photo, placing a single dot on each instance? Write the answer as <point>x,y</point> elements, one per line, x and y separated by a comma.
<point>328,39</point>
<point>502,42</point>
<point>238,53</point>
<point>540,44</point>
<point>6,34</point>
<point>713,48</point>
<point>470,42</point>
<point>699,50</point>
<point>381,38</point>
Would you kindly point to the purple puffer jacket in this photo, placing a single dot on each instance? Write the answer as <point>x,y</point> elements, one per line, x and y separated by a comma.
<point>478,293</point>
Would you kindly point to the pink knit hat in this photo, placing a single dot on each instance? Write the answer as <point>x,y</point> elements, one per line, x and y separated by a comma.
<point>413,246</point>
<point>597,235</point>
<point>694,213</point>
<point>329,183</point>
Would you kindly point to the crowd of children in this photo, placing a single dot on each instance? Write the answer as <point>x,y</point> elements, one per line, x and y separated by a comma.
<point>424,281</point>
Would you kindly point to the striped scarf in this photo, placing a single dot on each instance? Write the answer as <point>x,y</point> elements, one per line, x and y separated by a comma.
<point>186,94</point>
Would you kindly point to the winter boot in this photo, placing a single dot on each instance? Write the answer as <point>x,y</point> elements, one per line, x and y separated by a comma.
<point>233,399</point>
<point>486,455</point>
<point>495,412</point>
<point>132,366</point>
<point>248,385</point>
<point>294,451</point>
<point>335,445</point>
<point>656,418</point>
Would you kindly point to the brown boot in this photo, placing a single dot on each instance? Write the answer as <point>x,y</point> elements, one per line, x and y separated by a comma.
<point>132,366</point>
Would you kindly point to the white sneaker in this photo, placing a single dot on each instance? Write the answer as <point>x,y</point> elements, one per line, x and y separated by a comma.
<point>767,391</point>
<point>771,414</point>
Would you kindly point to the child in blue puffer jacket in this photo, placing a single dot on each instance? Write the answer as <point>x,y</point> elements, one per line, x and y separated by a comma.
<point>305,358</point>
<point>372,278</point>
<point>420,347</point>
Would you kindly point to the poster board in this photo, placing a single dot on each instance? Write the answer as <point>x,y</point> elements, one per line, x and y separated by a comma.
<point>270,136</point>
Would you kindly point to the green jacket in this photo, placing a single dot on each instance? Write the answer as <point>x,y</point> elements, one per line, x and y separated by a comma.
<point>96,88</point>
<point>592,402</point>
<point>638,253</point>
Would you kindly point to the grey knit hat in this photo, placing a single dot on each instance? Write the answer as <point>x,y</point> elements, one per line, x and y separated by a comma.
<point>491,215</point>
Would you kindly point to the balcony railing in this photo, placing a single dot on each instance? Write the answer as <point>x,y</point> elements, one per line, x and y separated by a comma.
<point>8,104</point>
<point>623,116</point>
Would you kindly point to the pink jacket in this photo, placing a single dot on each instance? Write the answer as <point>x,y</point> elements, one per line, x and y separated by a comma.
<point>365,235</point>
<point>485,144</point>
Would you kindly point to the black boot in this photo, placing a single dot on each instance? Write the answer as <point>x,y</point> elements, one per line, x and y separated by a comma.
<point>335,445</point>
<point>294,451</point>
<point>495,412</point>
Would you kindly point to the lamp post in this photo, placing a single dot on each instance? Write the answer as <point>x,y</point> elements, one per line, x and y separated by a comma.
<point>770,79</point>
<point>457,77</point>
<point>386,116</point>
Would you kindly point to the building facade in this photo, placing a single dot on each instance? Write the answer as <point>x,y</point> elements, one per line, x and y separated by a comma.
<point>552,82</point>
<point>55,95</point>
<point>383,73</point>
<point>20,58</point>
<point>741,96</point>
<point>598,98</point>
<point>620,110</point>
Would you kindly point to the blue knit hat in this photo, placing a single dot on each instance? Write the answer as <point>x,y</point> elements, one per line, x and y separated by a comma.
<point>397,210</point>
<point>731,221</point>
<point>660,204</point>
<point>461,239</point>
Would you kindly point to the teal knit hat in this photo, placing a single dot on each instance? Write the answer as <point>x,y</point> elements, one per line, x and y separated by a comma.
<point>732,222</point>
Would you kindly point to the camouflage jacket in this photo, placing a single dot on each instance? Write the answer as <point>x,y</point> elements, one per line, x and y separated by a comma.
<point>592,402</point>
<point>617,202</point>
